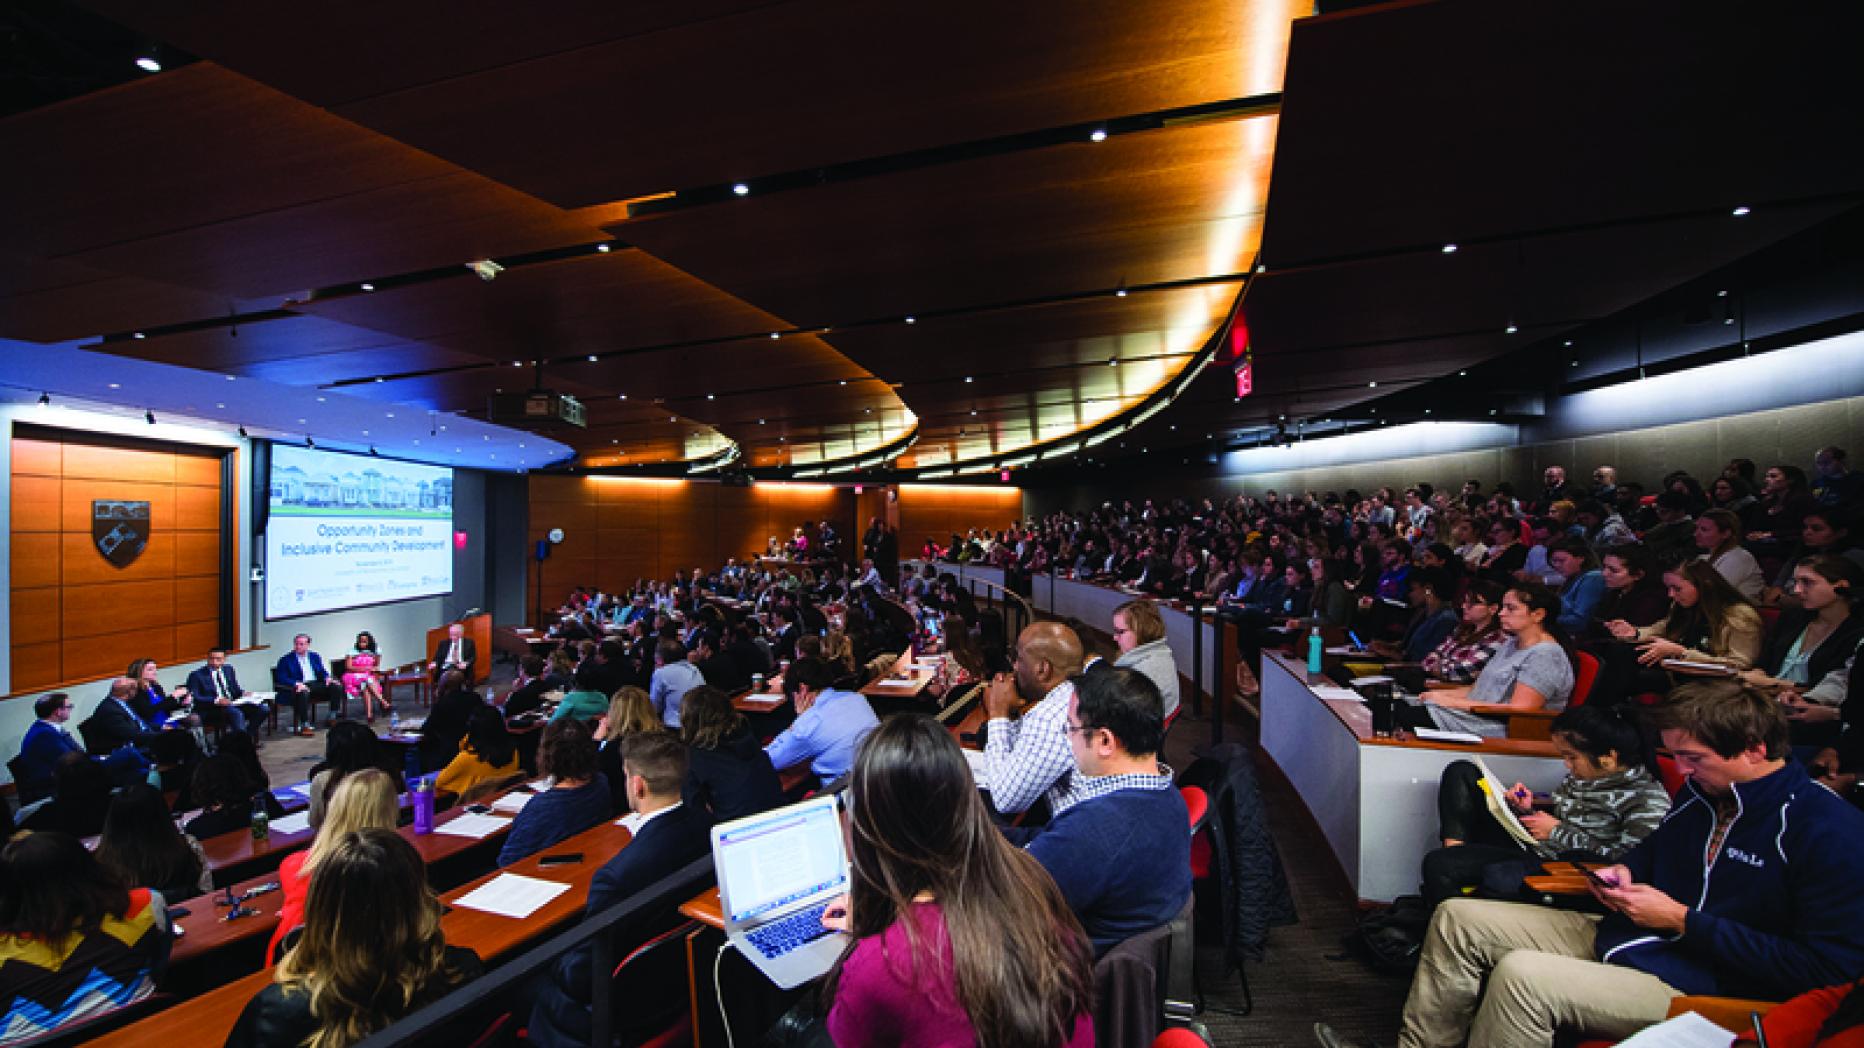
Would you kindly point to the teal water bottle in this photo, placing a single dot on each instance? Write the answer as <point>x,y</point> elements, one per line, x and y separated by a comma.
<point>1314,650</point>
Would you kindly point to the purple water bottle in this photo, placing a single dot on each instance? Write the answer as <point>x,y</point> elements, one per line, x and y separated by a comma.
<point>423,807</point>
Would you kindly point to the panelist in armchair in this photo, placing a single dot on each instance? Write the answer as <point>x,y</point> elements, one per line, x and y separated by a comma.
<point>215,687</point>
<point>457,652</point>
<point>303,681</point>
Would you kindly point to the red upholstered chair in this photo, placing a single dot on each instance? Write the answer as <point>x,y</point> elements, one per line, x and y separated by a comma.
<point>1769,621</point>
<point>1583,680</point>
<point>1672,776</point>
<point>1180,1037</point>
<point>1198,802</point>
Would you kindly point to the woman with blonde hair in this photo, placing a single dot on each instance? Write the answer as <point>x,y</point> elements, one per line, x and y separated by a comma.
<point>363,800</point>
<point>371,953</point>
<point>630,711</point>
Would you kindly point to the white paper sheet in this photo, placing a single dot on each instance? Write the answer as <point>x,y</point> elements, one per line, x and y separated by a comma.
<point>1433,735</point>
<point>891,683</point>
<point>512,802</point>
<point>1688,1030</point>
<point>1334,691</point>
<point>975,758</point>
<point>510,895</point>
<point>292,823</point>
<point>472,824</point>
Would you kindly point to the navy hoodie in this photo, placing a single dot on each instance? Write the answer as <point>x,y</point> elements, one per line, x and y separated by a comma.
<point>1779,912</point>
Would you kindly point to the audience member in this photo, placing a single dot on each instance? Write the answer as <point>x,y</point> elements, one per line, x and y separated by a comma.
<point>365,800</point>
<point>1139,630</point>
<point>630,711</point>
<point>729,775</point>
<point>1429,594</point>
<point>1029,758</point>
<point>1581,585</point>
<point>674,676</point>
<point>141,845</point>
<point>75,942</point>
<point>1822,633</point>
<point>80,799</point>
<point>578,797</point>
<point>585,701</point>
<point>370,953</point>
<point>1718,536</point>
<point>1469,647</point>
<point>1634,591</point>
<point>830,722</point>
<point>446,722</point>
<point>1531,670</point>
<point>529,687</point>
<point>228,798</point>
<point>1709,622</point>
<point>1837,483</point>
<point>489,755</point>
<point>959,937</point>
<point>348,748</point>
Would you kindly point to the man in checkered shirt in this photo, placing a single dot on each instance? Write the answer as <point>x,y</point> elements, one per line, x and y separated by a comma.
<point>1027,758</point>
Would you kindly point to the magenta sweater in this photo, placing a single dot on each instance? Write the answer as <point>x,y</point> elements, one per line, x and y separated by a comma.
<point>883,1001</point>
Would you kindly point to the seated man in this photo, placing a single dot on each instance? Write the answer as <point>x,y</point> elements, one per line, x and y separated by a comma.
<point>1122,854</point>
<point>1030,757</point>
<point>669,836</point>
<point>1748,889</point>
<point>304,682</point>
<point>213,689</point>
<point>829,725</point>
<point>47,740</point>
<point>116,724</point>
<point>457,652</point>
<point>674,676</point>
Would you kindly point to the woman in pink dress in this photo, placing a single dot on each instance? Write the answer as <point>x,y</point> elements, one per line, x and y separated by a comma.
<point>360,680</point>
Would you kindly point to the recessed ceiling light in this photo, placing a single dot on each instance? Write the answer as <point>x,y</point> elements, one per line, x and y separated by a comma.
<point>1461,374</point>
<point>148,65</point>
<point>709,396</point>
<point>1372,385</point>
<point>775,334</point>
<point>969,378</point>
<point>116,385</point>
<point>844,381</point>
<point>300,422</point>
<point>1120,293</point>
<point>1099,135</point>
<point>592,358</point>
<point>760,421</point>
<point>1719,294</point>
<point>1740,210</point>
<point>320,400</point>
<point>740,189</point>
<point>973,411</point>
<point>517,363</point>
<point>621,396</point>
<point>222,407</point>
<point>1511,329</point>
<point>1113,362</point>
<point>141,335</point>
<point>230,378</point>
<point>365,432</point>
<point>367,286</point>
<point>1568,342</point>
<point>603,248</point>
<point>1449,249</point>
<point>912,320</point>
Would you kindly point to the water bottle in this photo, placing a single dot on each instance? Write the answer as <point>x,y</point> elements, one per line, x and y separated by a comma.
<point>1315,648</point>
<point>423,807</point>
<point>394,721</point>
<point>261,819</point>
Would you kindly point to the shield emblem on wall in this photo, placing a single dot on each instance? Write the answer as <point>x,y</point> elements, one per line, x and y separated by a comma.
<point>120,530</point>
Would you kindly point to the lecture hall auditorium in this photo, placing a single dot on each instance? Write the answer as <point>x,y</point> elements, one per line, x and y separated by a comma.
<point>1268,523</point>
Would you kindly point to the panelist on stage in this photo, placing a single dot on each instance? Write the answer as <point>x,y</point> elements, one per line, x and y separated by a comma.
<point>303,681</point>
<point>214,688</point>
<point>457,652</point>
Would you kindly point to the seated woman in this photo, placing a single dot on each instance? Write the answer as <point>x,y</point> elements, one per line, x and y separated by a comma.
<point>1718,536</point>
<point>227,796</point>
<point>363,801</point>
<point>585,701</point>
<point>1608,802</point>
<point>348,748</point>
<point>631,711</point>
<point>1429,592</point>
<point>1531,670</point>
<point>934,884</point>
<point>727,773</point>
<point>1633,590</point>
<point>1709,622</point>
<point>73,934</point>
<point>370,953</point>
<point>578,799</point>
<point>361,675</point>
<point>1582,583</point>
<point>141,845</point>
<point>1468,648</point>
<point>1820,634</point>
<point>488,755</point>
<point>445,727</point>
<point>1824,529</point>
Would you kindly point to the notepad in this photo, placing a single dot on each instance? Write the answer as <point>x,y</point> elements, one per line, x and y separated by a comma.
<point>1434,735</point>
<point>292,823</point>
<point>890,683</point>
<point>512,802</point>
<point>1688,1030</point>
<point>509,895</point>
<point>1334,691</point>
<point>472,824</point>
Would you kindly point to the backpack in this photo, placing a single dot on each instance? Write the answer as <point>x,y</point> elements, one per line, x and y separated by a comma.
<point>1390,938</point>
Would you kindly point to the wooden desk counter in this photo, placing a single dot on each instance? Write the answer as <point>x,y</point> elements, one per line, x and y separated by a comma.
<point>705,908</point>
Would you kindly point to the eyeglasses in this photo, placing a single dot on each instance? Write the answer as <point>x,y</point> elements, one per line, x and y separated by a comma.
<point>1082,728</point>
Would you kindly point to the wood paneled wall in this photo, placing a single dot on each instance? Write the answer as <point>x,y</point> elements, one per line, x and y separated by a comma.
<point>937,511</point>
<point>618,529</point>
<point>77,616</point>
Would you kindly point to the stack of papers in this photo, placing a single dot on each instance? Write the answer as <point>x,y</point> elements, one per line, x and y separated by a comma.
<point>540,785</point>
<point>1433,735</point>
<point>891,683</point>
<point>1688,1030</point>
<point>1334,691</point>
<point>292,823</point>
<point>509,895</point>
<point>471,824</point>
<point>512,802</point>
<point>975,758</point>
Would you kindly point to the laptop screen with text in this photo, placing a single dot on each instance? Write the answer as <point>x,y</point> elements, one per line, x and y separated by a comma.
<point>767,862</point>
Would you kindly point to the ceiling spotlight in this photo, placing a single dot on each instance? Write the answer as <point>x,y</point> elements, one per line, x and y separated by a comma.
<point>366,286</point>
<point>621,396</point>
<point>912,320</point>
<point>141,335</point>
<point>1568,342</point>
<point>1113,362</point>
<point>1462,374</point>
<point>844,381</point>
<point>1372,385</point>
<point>709,396</point>
<point>592,358</point>
<point>1099,135</point>
<point>760,422</point>
<point>1719,294</point>
<point>602,248</point>
<point>1740,209</point>
<point>232,378</point>
<point>1511,329</point>
<point>148,416</point>
<point>148,64</point>
<point>740,188</point>
<point>973,411</point>
<point>1120,292</point>
<point>1449,249</point>
<point>242,431</point>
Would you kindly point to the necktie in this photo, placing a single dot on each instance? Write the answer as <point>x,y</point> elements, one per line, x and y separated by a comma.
<point>220,685</point>
<point>454,657</point>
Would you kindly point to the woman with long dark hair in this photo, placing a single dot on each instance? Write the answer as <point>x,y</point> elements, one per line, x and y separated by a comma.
<point>1533,668</point>
<point>1478,633</point>
<point>349,747</point>
<point>728,774</point>
<point>959,937</point>
<point>371,952</point>
<point>488,755</point>
<point>141,845</point>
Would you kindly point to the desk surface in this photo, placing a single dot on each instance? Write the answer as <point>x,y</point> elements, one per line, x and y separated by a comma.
<point>208,1018</point>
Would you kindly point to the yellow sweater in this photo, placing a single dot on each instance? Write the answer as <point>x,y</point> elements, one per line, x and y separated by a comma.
<point>467,770</point>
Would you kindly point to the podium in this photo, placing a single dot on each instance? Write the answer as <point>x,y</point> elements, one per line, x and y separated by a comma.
<point>479,631</point>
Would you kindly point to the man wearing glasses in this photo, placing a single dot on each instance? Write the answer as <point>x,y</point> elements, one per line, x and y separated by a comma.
<point>48,740</point>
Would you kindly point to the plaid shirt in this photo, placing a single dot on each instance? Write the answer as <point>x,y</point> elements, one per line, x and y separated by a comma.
<point>1028,757</point>
<point>1092,786</point>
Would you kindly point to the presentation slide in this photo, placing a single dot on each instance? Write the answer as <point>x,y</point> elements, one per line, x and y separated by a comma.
<point>349,530</point>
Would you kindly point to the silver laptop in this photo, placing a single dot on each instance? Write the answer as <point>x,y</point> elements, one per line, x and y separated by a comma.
<point>777,872</point>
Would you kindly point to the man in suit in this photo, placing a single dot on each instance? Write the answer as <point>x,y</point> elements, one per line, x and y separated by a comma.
<point>215,687</point>
<point>667,836</point>
<point>303,681</point>
<point>455,653</point>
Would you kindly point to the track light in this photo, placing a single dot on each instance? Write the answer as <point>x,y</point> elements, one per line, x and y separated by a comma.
<point>148,416</point>
<point>45,400</point>
<point>308,442</point>
<point>242,431</point>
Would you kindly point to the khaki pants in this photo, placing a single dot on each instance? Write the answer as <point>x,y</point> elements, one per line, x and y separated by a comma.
<point>1541,978</point>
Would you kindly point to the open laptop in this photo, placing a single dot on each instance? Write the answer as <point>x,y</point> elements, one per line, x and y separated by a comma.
<point>777,872</point>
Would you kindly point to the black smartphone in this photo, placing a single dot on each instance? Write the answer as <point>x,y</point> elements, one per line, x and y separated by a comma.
<point>566,859</point>
<point>478,809</point>
<point>1592,875</point>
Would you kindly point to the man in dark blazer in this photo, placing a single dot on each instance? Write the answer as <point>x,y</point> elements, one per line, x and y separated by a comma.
<point>455,653</point>
<point>668,835</point>
<point>214,688</point>
<point>116,724</point>
<point>303,681</point>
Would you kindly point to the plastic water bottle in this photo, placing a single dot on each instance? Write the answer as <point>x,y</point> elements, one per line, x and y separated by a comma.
<point>1315,648</point>
<point>261,820</point>
<point>423,807</point>
<point>394,721</point>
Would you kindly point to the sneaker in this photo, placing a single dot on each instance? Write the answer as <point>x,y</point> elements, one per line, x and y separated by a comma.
<point>1326,1038</point>
<point>306,731</point>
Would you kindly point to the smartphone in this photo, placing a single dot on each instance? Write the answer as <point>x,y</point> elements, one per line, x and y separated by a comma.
<point>478,809</point>
<point>1592,875</point>
<point>566,859</point>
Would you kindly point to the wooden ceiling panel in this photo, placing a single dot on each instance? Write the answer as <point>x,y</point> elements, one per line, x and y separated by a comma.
<point>58,302</point>
<point>1152,207</point>
<point>796,86</point>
